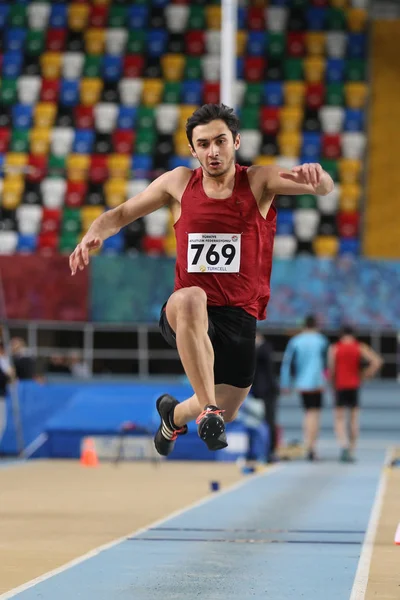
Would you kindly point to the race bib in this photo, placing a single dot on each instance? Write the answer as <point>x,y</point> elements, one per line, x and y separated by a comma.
<point>214,252</point>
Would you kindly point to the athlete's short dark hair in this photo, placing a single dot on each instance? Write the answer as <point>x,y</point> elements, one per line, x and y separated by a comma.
<point>310,322</point>
<point>211,112</point>
<point>346,330</point>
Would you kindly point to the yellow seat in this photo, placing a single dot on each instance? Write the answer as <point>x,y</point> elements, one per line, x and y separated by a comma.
<point>95,39</point>
<point>289,143</point>
<point>115,192</point>
<point>15,163</point>
<point>91,90</point>
<point>213,17</point>
<point>181,143</point>
<point>89,214</point>
<point>290,118</point>
<point>314,68</point>
<point>119,166</point>
<point>241,42</point>
<point>265,161</point>
<point>13,188</point>
<point>44,114</point>
<point>349,170</point>
<point>315,43</point>
<point>102,2</point>
<point>339,3</point>
<point>78,16</point>
<point>50,64</point>
<point>152,92</point>
<point>294,92</point>
<point>173,66</point>
<point>350,195</point>
<point>355,94</point>
<point>357,19</point>
<point>185,111</point>
<point>326,246</point>
<point>40,140</point>
<point>77,167</point>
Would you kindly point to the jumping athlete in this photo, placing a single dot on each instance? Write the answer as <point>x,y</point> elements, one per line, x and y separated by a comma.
<point>224,225</point>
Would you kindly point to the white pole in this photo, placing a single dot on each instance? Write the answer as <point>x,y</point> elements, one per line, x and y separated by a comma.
<point>228,52</point>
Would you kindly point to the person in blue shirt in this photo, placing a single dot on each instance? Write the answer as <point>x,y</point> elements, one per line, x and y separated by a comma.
<point>303,368</point>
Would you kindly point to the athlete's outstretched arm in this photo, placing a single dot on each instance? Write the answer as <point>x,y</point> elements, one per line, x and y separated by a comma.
<point>373,359</point>
<point>309,178</point>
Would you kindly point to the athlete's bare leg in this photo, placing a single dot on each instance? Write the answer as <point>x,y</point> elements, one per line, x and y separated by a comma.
<point>341,427</point>
<point>311,428</point>
<point>354,427</point>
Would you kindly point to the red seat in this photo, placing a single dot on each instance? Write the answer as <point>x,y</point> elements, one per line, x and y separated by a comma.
<point>348,224</point>
<point>48,241</point>
<point>123,141</point>
<point>84,117</point>
<point>195,43</point>
<point>133,65</point>
<point>75,194</point>
<point>256,18</point>
<point>50,90</point>
<point>5,135</point>
<point>315,95</point>
<point>254,68</point>
<point>296,44</point>
<point>153,245</point>
<point>321,3</point>
<point>98,170</point>
<point>269,120</point>
<point>98,16</point>
<point>37,170</point>
<point>211,92</point>
<point>55,40</point>
<point>331,145</point>
<point>51,221</point>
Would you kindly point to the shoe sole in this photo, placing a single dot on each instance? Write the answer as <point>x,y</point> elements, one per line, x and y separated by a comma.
<point>211,434</point>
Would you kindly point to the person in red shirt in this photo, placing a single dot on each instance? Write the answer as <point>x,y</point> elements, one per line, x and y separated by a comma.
<point>225,224</point>
<point>345,363</point>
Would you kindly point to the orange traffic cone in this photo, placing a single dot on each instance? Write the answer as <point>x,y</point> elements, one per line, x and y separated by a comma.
<point>89,456</point>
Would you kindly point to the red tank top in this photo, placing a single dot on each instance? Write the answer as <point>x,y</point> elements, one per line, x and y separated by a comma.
<point>225,246</point>
<point>347,365</point>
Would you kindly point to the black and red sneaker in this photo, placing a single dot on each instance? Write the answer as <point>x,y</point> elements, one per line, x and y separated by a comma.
<point>164,440</point>
<point>211,427</point>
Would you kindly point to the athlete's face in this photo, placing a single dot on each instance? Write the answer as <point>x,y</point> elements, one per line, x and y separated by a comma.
<point>214,147</point>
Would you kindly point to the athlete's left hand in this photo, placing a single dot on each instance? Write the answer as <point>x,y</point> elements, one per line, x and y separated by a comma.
<point>309,173</point>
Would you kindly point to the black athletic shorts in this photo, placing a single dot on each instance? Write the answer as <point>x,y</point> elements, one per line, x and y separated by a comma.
<point>232,332</point>
<point>311,400</point>
<point>347,398</point>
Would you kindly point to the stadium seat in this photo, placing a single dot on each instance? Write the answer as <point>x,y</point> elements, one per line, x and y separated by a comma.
<point>356,19</point>
<point>285,246</point>
<point>78,16</point>
<point>294,93</point>
<point>350,196</point>
<point>356,94</point>
<point>332,119</point>
<point>53,192</point>
<point>331,146</point>
<point>328,205</point>
<point>130,91</point>
<point>326,246</point>
<point>315,95</point>
<point>289,143</point>
<point>277,18</point>
<point>348,224</point>
<point>349,170</point>
<point>176,17</point>
<point>90,91</point>
<point>38,14</point>
<point>290,118</point>
<point>115,192</point>
<point>353,144</point>
<point>306,223</point>
<point>211,93</point>
<point>315,43</point>
<point>123,141</point>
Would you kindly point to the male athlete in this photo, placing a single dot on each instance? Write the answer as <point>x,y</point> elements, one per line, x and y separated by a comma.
<point>225,225</point>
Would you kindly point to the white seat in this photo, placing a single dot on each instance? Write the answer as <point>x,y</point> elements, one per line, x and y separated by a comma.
<point>176,16</point>
<point>136,186</point>
<point>167,117</point>
<point>116,41</point>
<point>156,223</point>
<point>213,42</point>
<point>276,17</point>
<point>194,163</point>
<point>332,118</point>
<point>250,144</point>
<point>336,43</point>
<point>287,162</point>
<point>285,246</point>
<point>240,89</point>
<point>28,87</point>
<point>328,205</point>
<point>72,64</point>
<point>8,242</point>
<point>306,222</point>
<point>211,67</point>
<point>105,116</point>
<point>53,191</point>
<point>353,144</point>
<point>38,14</point>
<point>360,4</point>
<point>62,139</point>
<point>29,217</point>
<point>131,91</point>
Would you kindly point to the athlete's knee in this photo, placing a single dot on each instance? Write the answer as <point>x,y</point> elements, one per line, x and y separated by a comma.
<point>192,302</point>
<point>230,415</point>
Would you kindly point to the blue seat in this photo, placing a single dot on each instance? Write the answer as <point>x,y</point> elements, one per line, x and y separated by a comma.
<point>242,18</point>
<point>349,246</point>
<point>14,39</point>
<point>112,67</point>
<point>69,92</point>
<point>137,17</point>
<point>157,42</point>
<point>4,10</point>
<point>356,45</point>
<point>142,165</point>
<point>335,70</point>
<point>279,2</point>
<point>160,3</point>
<point>353,119</point>
<point>22,116</point>
<point>27,243</point>
<point>256,43</point>
<point>273,93</point>
<point>316,18</point>
<point>2,159</point>
<point>12,64</point>
<point>240,67</point>
<point>114,244</point>
<point>192,92</point>
<point>58,16</point>
<point>311,148</point>
<point>179,161</point>
<point>285,222</point>
<point>84,141</point>
<point>126,117</point>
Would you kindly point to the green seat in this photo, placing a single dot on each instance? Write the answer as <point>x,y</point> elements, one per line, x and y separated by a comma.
<point>57,165</point>
<point>334,94</point>
<point>172,92</point>
<point>276,45</point>
<point>193,68</point>
<point>306,201</point>
<point>336,19</point>
<point>19,140</point>
<point>17,15</point>
<point>68,242</point>
<point>136,43</point>
<point>299,3</point>
<point>253,94</point>
<point>145,118</point>
<point>8,91</point>
<point>92,65</point>
<point>293,69</point>
<point>117,16</point>
<point>35,42</point>
<point>355,69</point>
<point>197,18</point>
<point>143,2</point>
<point>145,141</point>
<point>331,167</point>
<point>250,117</point>
<point>71,221</point>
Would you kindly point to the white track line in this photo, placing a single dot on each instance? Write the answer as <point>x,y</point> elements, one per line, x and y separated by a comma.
<point>96,551</point>
<point>360,584</point>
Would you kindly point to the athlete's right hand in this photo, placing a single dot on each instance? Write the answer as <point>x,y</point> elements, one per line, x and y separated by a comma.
<point>79,259</point>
